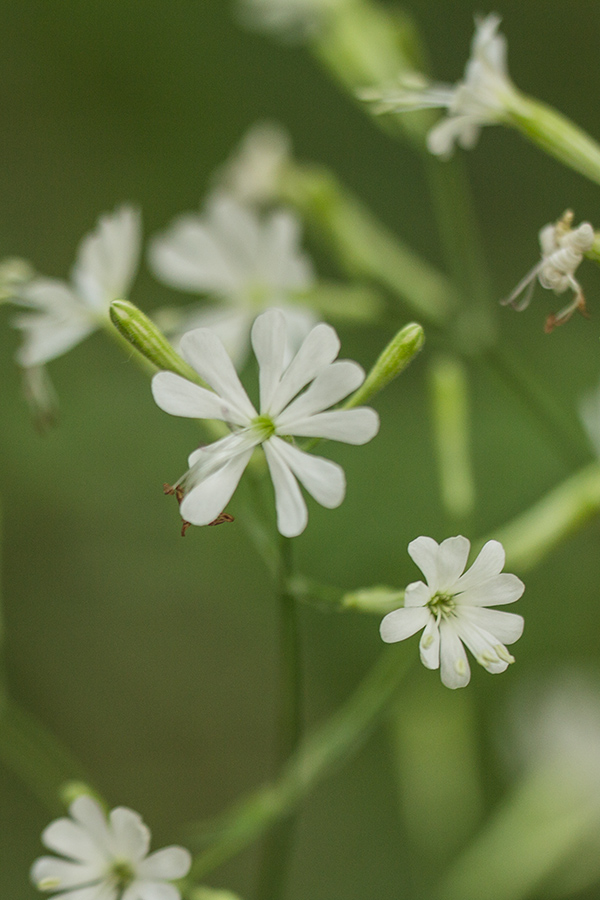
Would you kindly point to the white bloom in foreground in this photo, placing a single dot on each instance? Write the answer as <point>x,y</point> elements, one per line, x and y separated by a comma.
<point>452,608</point>
<point>60,315</point>
<point>247,262</point>
<point>294,19</point>
<point>106,859</point>
<point>563,248</point>
<point>216,469</point>
<point>483,97</point>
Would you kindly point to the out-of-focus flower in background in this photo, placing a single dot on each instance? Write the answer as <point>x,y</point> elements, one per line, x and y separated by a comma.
<point>291,19</point>
<point>245,261</point>
<point>452,608</point>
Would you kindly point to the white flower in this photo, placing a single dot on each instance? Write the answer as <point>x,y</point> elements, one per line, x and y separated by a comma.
<point>563,248</point>
<point>483,97</point>
<point>451,608</point>
<point>106,859</point>
<point>216,469</point>
<point>60,315</point>
<point>247,262</point>
<point>252,173</point>
<point>295,19</point>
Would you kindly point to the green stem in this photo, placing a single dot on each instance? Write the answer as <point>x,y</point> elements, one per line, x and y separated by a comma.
<point>341,736</point>
<point>29,750</point>
<point>532,535</point>
<point>278,845</point>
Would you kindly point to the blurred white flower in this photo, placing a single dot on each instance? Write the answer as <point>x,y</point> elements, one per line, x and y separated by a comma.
<point>563,248</point>
<point>252,172</point>
<point>216,469</point>
<point>60,315</point>
<point>451,608</point>
<point>106,859</point>
<point>246,261</point>
<point>483,97</point>
<point>293,19</point>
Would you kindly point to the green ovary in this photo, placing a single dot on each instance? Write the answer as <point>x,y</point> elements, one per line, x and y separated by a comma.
<point>442,605</point>
<point>264,426</point>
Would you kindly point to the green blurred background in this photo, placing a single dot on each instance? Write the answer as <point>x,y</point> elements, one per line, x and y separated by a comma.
<point>153,657</point>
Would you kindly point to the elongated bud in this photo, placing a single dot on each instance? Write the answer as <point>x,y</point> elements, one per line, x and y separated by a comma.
<point>149,340</point>
<point>394,359</point>
<point>71,790</point>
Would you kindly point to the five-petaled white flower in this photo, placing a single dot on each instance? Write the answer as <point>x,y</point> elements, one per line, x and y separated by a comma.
<point>563,248</point>
<point>246,261</point>
<point>106,859</point>
<point>60,315</point>
<point>451,608</point>
<point>286,410</point>
<point>483,97</point>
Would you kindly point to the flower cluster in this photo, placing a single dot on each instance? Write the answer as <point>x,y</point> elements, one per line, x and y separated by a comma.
<point>483,97</point>
<point>563,248</point>
<point>286,410</point>
<point>106,859</point>
<point>452,608</point>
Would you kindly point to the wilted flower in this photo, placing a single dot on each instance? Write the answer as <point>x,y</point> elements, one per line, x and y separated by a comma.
<point>216,469</point>
<point>483,97</point>
<point>452,608</point>
<point>60,315</point>
<point>106,859</point>
<point>246,261</point>
<point>563,248</point>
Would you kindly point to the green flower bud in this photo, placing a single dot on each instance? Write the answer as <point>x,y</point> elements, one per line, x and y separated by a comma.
<point>394,359</point>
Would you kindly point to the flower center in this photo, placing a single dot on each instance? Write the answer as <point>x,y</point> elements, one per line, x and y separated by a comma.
<point>121,874</point>
<point>264,426</point>
<point>442,605</point>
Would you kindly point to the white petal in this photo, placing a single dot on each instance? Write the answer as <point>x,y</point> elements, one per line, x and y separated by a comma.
<point>203,350</point>
<point>417,594</point>
<point>131,835</point>
<point>180,397</point>
<point>90,815</point>
<point>403,623</point>
<point>107,258</point>
<point>292,515</point>
<point>237,228</point>
<point>496,591</point>
<point>46,338</point>
<point>101,891</point>
<point>424,552</point>
<point>454,665</point>
<point>351,426</point>
<point>151,890</point>
<point>168,863</point>
<point>323,479</point>
<point>208,499</point>
<point>487,650</point>
<point>71,840</point>
<point>60,874</point>
<point>451,561</point>
<point>189,257</point>
<point>489,562</point>
<point>329,387</point>
<point>462,129</point>
<point>505,627</point>
<point>318,350</point>
<point>268,342</point>
<point>429,645</point>
<point>280,262</point>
